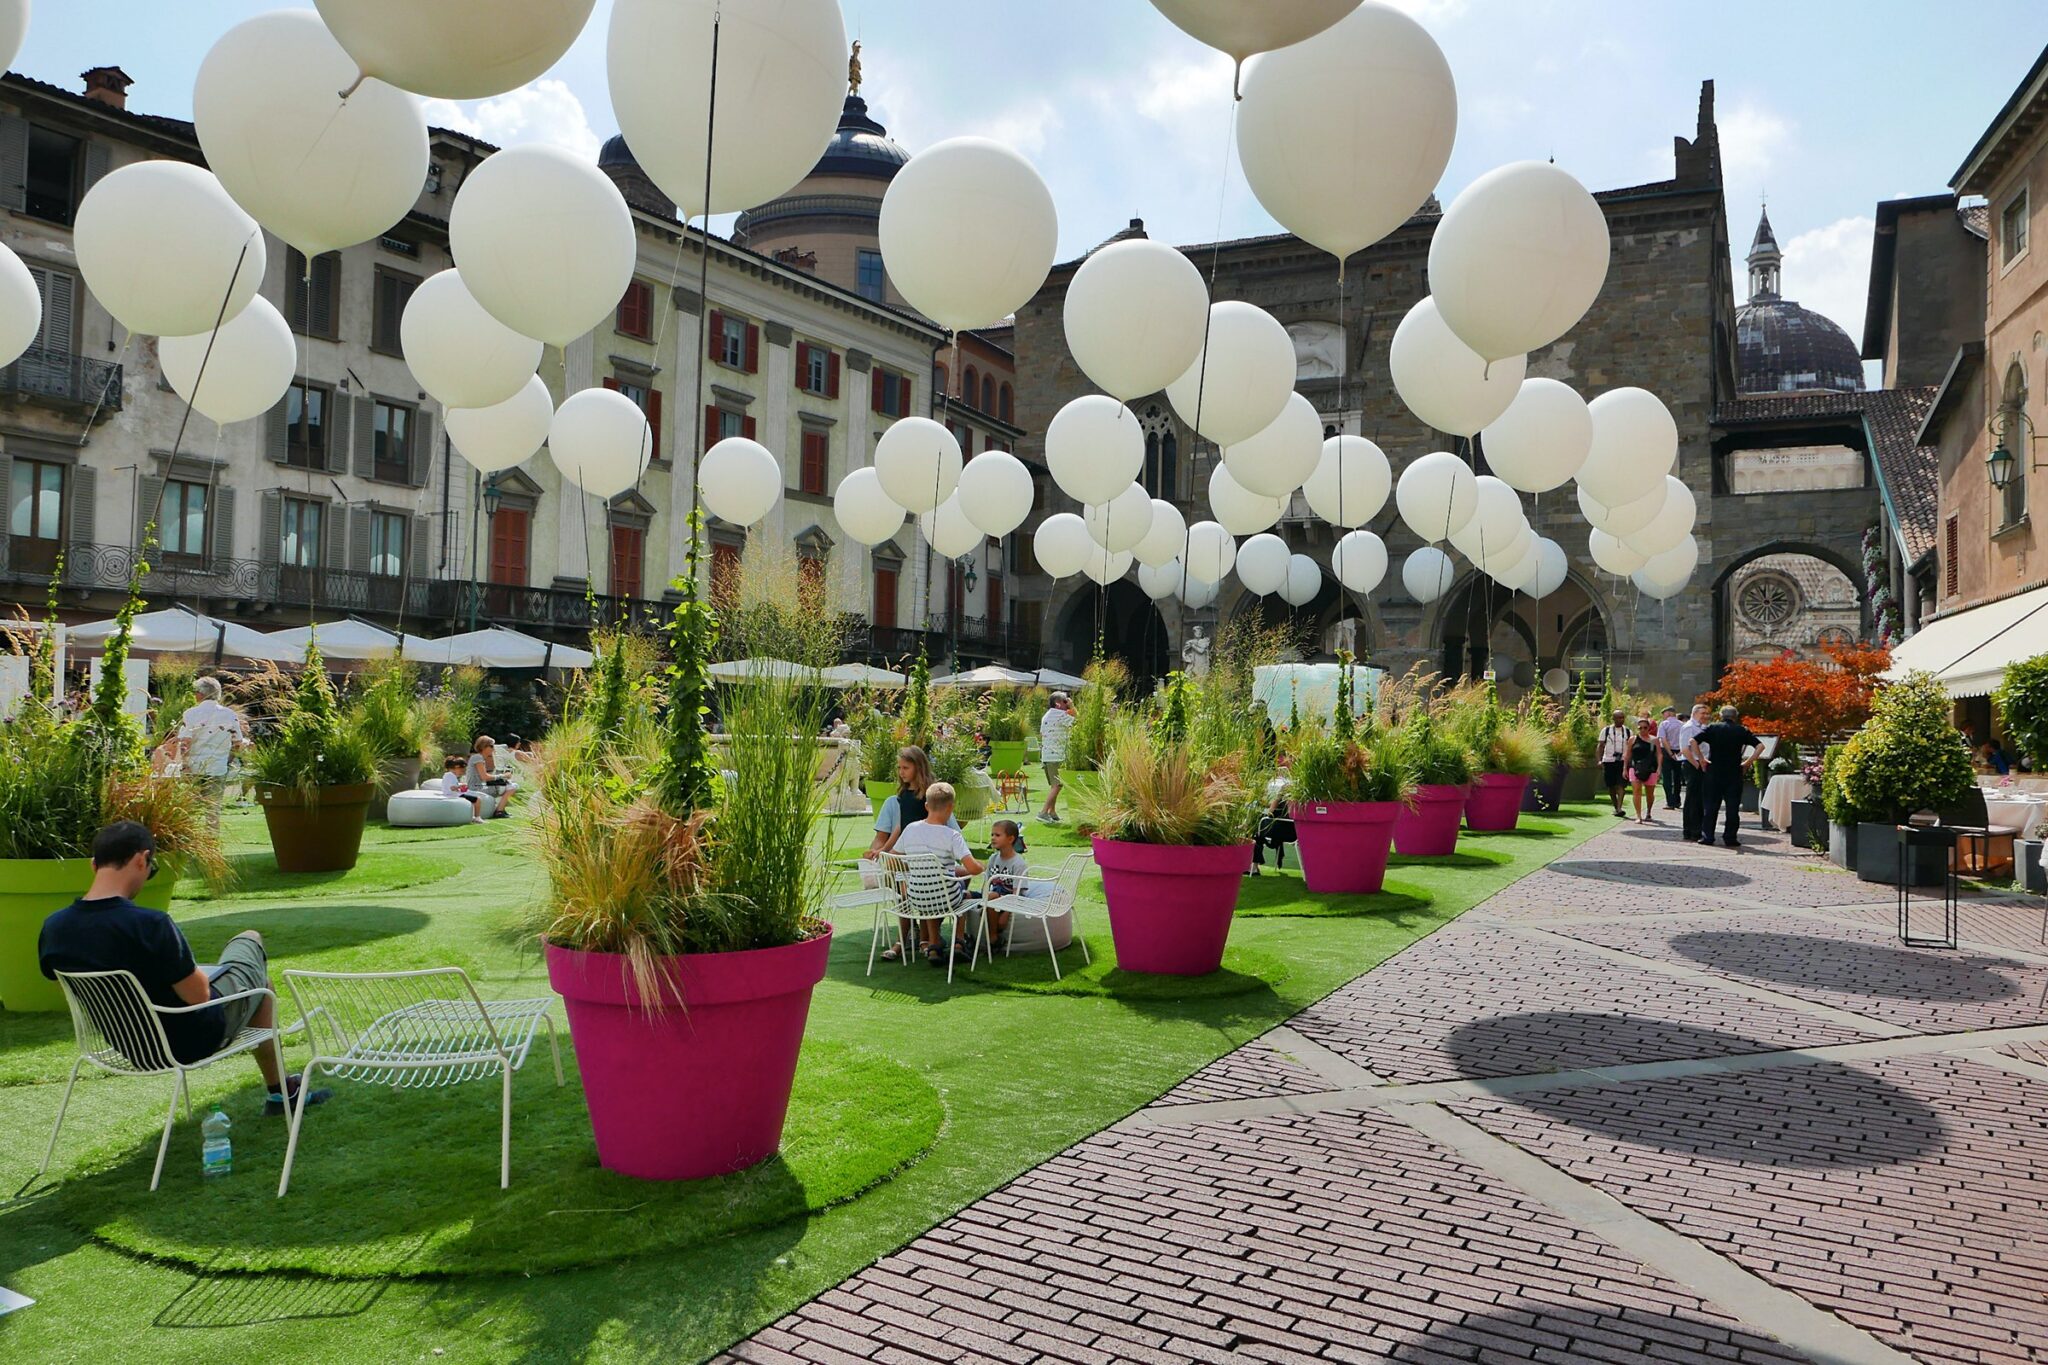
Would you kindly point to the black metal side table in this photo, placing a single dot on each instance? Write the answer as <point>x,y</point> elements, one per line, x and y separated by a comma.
<point>1911,839</point>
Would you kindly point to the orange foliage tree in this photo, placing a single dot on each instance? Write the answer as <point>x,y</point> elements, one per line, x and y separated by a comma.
<point>1806,701</point>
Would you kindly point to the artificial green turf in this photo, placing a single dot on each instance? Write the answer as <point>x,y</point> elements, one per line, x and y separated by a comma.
<point>255,875</point>
<point>1244,971</point>
<point>1023,1074</point>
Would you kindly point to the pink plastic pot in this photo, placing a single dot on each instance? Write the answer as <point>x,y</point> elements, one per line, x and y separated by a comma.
<point>1429,827</point>
<point>1344,844</point>
<point>1170,905</point>
<point>1495,802</point>
<point>699,1084</point>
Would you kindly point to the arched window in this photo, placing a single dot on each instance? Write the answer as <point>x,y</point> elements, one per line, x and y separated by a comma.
<point>988,394</point>
<point>1009,402</point>
<point>1162,452</point>
<point>2012,503</point>
<point>967,387</point>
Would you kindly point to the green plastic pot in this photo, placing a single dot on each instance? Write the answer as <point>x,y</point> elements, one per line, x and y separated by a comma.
<point>1006,757</point>
<point>35,889</point>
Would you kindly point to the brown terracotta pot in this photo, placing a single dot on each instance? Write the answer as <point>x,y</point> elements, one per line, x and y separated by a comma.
<point>317,830</point>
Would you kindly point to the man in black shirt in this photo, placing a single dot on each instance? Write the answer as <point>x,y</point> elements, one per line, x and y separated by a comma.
<point>106,931</point>
<point>1725,747</point>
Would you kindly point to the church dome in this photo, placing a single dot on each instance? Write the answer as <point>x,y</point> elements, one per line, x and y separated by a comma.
<point>1781,347</point>
<point>861,146</point>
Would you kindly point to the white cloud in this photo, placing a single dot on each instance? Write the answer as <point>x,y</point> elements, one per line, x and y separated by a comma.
<point>1828,271</point>
<point>1752,137</point>
<point>1026,126</point>
<point>547,111</point>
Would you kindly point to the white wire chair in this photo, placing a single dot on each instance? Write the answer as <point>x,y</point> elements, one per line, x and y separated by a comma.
<point>416,1030</point>
<point>121,1031</point>
<point>925,889</point>
<point>865,884</point>
<point>1043,899</point>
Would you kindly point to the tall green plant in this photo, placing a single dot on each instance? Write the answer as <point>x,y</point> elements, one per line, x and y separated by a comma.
<point>386,711</point>
<point>1108,679</point>
<point>1343,724</point>
<point>682,774</point>
<point>1909,756</point>
<point>313,745</point>
<point>1432,756</point>
<point>917,704</point>
<point>1164,793</point>
<point>1172,725</point>
<point>2023,707</point>
<point>1578,735</point>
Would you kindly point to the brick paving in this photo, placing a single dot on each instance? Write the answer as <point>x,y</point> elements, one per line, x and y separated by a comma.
<point>1257,1070</point>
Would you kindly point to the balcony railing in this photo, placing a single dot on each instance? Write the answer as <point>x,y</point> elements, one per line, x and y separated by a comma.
<point>63,377</point>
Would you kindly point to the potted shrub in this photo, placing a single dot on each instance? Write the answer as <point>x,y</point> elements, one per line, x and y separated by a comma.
<point>1507,751</point>
<point>1576,744</point>
<point>1347,790</point>
<point>1005,728</point>
<point>1440,770</point>
<point>1809,818</point>
<point>953,761</point>
<point>682,924</point>
<point>1842,817</point>
<point>1108,680</point>
<point>386,713</point>
<point>1909,758</point>
<point>2023,709</point>
<point>313,778</point>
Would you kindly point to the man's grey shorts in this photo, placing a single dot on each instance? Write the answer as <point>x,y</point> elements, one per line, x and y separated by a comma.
<point>243,966</point>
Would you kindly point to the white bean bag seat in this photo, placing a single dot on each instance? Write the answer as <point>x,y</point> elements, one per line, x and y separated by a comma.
<point>422,809</point>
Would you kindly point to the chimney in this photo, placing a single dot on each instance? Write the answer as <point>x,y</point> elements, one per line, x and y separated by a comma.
<point>108,85</point>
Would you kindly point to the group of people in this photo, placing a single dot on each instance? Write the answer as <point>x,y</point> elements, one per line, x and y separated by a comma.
<point>477,779</point>
<point>919,818</point>
<point>1698,761</point>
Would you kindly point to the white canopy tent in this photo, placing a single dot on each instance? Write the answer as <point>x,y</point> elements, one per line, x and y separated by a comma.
<point>864,675</point>
<point>747,670</point>
<point>1970,650</point>
<point>1052,677</point>
<point>353,639</point>
<point>500,648</point>
<point>989,675</point>
<point>176,630</point>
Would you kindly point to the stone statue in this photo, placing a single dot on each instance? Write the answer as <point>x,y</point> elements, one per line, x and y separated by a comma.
<point>1318,349</point>
<point>1342,638</point>
<point>1194,654</point>
<point>853,69</point>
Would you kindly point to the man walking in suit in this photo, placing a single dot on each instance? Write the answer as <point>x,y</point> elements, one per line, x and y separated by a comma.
<point>1727,746</point>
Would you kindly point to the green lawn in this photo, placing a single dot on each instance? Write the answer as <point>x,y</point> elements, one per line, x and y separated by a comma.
<point>395,1198</point>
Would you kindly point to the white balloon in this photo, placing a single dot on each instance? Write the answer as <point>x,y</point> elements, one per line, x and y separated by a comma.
<point>1241,511</point>
<point>1517,574</point>
<point>1262,564</point>
<point>1626,519</point>
<point>1107,566</point>
<point>1160,581</point>
<point>1651,586</point>
<point>919,462</point>
<point>1553,567</point>
<point>1344,138</point>
<point>1094,448</point>
<point>781,80</point>
<point>1518,258</point>
<point>1165,537</point>
<point>1359,561</point>
<point>1672,524</point>
<point>1542,439</point>
<point>740,480</point>
<point>1122,522</point>
<point>162,246</point>
<point>506,434</point>
<point>1497,559</point>
<point>1671,571</point>
<point>1061,545</point>
<point>510,231</point>
<point>1496,519</point>
<point>947,529</point>
<point>1276,460</point>
<point>1241,29</point>
<point>1211,551</point>
<point>455,49</point>
<point>252,362</point>
<point>457,351</point>
<point>1445,382</point>
<point>1304,579</point>
<point>13,29</point>
<point>975,278</point>
<point>864,511</point>
<point>1436,496</point>
<point>21,307</point>
<point>1635,444</point>
<point>1195,594</point>
<point>1351,481</point>
<point>319,171</point>
<point>1428,573</point>
<point>1241,379</point>
<point>1612,555</point>
<point>1134,315</point>
<point>599,442</point>
<point>995,492</point>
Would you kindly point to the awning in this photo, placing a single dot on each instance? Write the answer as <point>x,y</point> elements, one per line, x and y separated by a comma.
<point>989,675</point>
<point>1970,650</point>
<point>864,675</point>
<point>500,648</point>
<point>175,630</point>
<point>749,670</point>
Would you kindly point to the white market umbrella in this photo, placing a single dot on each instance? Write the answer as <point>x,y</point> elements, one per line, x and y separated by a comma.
<point>176,630</point>
<point>989,675</point>
<point>864,675</point>
<point>749,670</point>
<point>501,648</point>
<point>1052,677</point>
<point>348,639</point>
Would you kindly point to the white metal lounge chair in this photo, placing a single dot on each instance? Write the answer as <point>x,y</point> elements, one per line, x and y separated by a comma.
<point>927,890</point>
<point>1042,899</point>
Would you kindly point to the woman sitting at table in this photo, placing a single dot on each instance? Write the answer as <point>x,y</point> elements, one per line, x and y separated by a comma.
<point>901,811</point>
<point>481,775</point>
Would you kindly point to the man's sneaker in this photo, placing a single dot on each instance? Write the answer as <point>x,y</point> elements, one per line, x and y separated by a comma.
<point>274,1108</point>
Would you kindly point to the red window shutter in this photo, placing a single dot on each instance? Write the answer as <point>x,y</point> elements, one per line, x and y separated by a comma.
<point>747,427</point>
<point>885,599</point>
<point>717,343</point>
<point>903,403</point>
<point>803,363</point>
<point>816,453</point>
<point>753,348</point>
<point>710,426</point>
<point>995,605</point>
<point>654,422</point>
<point>878,399</point>
<point>832,374</point>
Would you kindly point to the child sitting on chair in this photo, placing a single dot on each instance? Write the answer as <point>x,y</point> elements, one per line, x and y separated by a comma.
<point>936,834</point>
<point>451,785</point>
<point>1006,873</point>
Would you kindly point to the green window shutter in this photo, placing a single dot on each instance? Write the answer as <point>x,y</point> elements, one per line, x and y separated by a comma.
<point>362,419</point>
<point>359,539</point>
<point>220,526</point>
<point>270,527</point>
<point>148,496</point>
<point>13,162</point>
<point>422,454</point>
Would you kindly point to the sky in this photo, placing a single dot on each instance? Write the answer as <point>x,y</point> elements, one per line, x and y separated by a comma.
<point>1824,108</point>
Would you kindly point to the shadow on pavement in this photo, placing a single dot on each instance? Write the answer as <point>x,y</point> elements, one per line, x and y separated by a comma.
<point>1847,964</point>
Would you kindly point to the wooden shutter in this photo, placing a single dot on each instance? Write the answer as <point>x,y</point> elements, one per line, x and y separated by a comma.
<point>753,349</point>
<point>803,364</point>
<point>653,411</point>
<point>363,420</point>
<point>334,533</point>
<point>59,289</point>
<point>220,525</point>
<point>385,307</point>
<point>508,547</point>
<point>148,499</point>
<point>747,427</point>
<point>13,162</point>
<point>611,382</point>
<point>816,454</point>
<point>421,431</point>
<point>717,343</point>
<point>82,506</point>
<point>416,547</point>
<point>339,410</point>
<point>1951,575</point>
<point>359,539</point>
<point>878,399</point>
<point>277,432</point>
<point>270,526</point>
<point>832,374</point>
<point>710,427</point>
<point>99,159</point>
<point>994,613</point>
<point>903,401</point>
<point>885,598</point>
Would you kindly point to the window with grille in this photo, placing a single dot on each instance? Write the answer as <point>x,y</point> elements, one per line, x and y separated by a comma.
<point>181,522</point>
<point>387,544</point>
<point>302,526</point>
<point>391,442</point>
<point>636,311</point>
<point>306,409</point>
<point>817,368</point>
<point>732,341</point>
<point>387,307</point>
<point>813,472</point>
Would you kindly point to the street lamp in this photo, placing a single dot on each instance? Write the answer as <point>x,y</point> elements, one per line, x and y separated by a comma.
<point>2003,463</point>
<point>489,495</point>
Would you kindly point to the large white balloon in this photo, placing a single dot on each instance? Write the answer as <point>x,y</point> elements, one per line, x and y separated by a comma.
<point>1196,594</point>
<point>1359,561</point>
<point>1262,564</point>
<point>864,511</point>
<point>1061,545</point>
<point>978,276</point>
<point>506,434</point>
<point>1241,30</point>
<point>1160,581</point>
<point>1304,579</point>
<point>1428,573</point>
<point>1241,379</point>
<point>1211,551</point>
<point>1672,524</point>
<point>1241,511</point>
<point>1612,555</point>
<point>1542,439</point>
<point>1350,483</point>
<point>1107,566</point>
<point>1517,574</point>
<point>1436,496</point>
<point>740,480</point>
<point>781,79</point>
<point>1553,567</point>
<point>251,365</point>
<point>21,307</point>
<point>947,529</point>
<point>1667,574</point>
<point>457,351</point>
<point>1094,448</point>
<point>599,442</point>
<point>1635,444</point>
<point>163,247</point>
<point>1123,521</point>
<point>1496,519</point>
<point>1651,586</point>
<point>1274,461</point>
<point>1165,537</point>
<point>510,231</point>
<point>1626,519</point>
<point>919,462</point>
<point>1445,382</point>
<point>1518,258</point>
<point>995,492</point>
<point>1498,561</point>
<point>13,29</point>
<point>1344,138</point>
<point>319,171</point>
<point>1134,315</point>
<point>455,49</point>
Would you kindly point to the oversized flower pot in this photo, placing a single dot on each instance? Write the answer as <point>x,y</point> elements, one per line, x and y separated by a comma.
<point>31,890</point>
<point>315,829</point>
<point>1170,905</point>
<point>1005,757</point>
<point>1583,784</point>
<point>1495,802</point>
<point>393,775</point>
<point>1545,793</point>
<point>696,1082</point>
<point>1428,826</point>
<point>1344,844</point>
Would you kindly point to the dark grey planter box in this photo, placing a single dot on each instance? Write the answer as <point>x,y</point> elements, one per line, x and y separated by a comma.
<point>1584,784</point>
<point>1842,846</point>
<point>1750,797</point>
<point>1809,826</point>
<point>2033,876</point>
<point>1877,858</point>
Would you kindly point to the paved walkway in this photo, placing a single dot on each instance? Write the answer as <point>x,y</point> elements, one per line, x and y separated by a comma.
<point>1654,1102</point>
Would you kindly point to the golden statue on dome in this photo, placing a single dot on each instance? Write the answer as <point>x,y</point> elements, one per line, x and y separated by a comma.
<point>853,69</point>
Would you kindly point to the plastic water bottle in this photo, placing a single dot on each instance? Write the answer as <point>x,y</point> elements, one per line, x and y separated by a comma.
<point>216,1153</point>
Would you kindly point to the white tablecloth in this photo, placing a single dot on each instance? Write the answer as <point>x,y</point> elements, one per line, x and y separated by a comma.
<point>1779,795</point>
<point>2023,814</point>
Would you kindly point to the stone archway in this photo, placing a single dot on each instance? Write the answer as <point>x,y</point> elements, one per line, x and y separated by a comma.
<point>1481,625</point>
<point>1132,628</point>
<point>1787,595</point>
